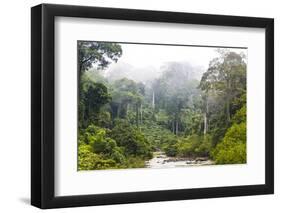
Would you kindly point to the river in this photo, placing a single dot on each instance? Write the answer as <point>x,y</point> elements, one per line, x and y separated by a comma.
<point>161,160</point>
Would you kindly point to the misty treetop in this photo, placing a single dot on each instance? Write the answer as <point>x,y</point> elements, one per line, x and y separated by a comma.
<point>97,53</point>
<point>184,113</point>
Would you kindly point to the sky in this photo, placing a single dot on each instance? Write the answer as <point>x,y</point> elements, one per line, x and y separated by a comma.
<point>142,61</point>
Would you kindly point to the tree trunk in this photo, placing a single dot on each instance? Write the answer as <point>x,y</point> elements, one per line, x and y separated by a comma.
<point>137,115</point>
<point>228,110</point>
<point>205,123</point>
<point>118,111</point>
<point>177,127</point>
<point>153,100</point>
<point>126,110</point>
<point>228,102</point>
<point>141,114</point>
<point>206,117</point>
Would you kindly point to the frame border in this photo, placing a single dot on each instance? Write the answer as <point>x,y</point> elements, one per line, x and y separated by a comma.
<point>43,111</point>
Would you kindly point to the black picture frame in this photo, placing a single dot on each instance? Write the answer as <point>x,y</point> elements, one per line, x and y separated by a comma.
<point>43,102</point>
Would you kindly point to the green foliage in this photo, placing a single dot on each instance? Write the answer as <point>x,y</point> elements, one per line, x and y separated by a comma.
<point>96,96</point>
<point>93,75</point>
<point>118,156</point>
<point>87,160</point>
<point>191,146</point>
<point>98,53</point>
<point>194,146</point>
<point>233,147</point>
<point>98,151</point>
<point>101,151</point>
<point>103,119</point>
<point>134,162</point>
<point>162,117</point>
<point>121,122</point>
<point>104,145</point>
<point>193,122</point>
<point>205,146</point>
<point>170,146</point>
<point>127,96</point>
<point>93,96</point>
<point>130,137</point>
<point>224,92</point>
<point>174,94</point>
<point>156,134</point>
<point>240,115</point>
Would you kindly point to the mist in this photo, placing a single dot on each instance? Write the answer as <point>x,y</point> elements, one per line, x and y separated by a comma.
<point>144,63</point>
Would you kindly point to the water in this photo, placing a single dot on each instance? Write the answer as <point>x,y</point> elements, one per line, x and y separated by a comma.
<point>161,160</point>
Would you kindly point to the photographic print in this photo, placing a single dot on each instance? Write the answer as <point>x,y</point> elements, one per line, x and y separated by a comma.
<point>169,105</point>
<point>160,106</point>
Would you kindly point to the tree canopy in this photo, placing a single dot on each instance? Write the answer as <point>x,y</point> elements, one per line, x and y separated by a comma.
<point>99,54</point>
<point>122,122</point>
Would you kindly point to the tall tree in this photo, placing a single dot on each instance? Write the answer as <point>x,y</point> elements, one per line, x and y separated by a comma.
<point>174,91</point>
<point>126,93</point>
<point>98,53</point>
<point>95,96</point>
<point>222,83</point>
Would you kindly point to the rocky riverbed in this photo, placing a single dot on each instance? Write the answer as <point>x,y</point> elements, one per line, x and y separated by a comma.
<point>161,160</point>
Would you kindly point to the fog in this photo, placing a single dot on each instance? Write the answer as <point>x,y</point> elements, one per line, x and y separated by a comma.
<point>142,62</point>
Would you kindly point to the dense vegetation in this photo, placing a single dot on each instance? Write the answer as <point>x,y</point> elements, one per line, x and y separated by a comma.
<point>122,122</point>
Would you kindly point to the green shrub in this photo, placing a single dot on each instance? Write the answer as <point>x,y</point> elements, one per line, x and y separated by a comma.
<point>185,149</point>
<point>129,137</point>
<point>134,162</point>
<point>104,146</point>
<point>169,145</point>
<point>171,150</point>
<point>194,146</point>
<point>204,147</point>
<point>87,160</point>
<point>117,156</point>
<point>98,151</point>
<point>240,115</point>
<point>232,149</point>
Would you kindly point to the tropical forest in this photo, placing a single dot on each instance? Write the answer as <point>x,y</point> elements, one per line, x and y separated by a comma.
<point>151,106</point>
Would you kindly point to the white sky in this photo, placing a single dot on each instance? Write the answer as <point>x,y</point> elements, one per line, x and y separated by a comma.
<point>141,56</point>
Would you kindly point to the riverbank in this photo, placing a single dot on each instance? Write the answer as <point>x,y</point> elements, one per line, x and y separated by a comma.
<point>161,160</point>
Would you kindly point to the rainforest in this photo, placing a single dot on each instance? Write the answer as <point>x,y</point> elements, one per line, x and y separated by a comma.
<point>160,106</point>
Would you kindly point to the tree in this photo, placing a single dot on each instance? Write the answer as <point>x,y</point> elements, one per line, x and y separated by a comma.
<point>233,147</point>
<point>93,98</point>
<point>222,84</point>
<point>125,93</point>
<point>131,139</point>
<point>98,53</point>
<point>227,76</point>
<point>87,160</point>
<point>174,92</point>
